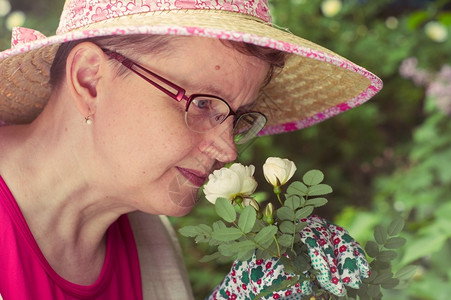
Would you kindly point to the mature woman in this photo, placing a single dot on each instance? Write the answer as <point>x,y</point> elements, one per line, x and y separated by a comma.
<point>125,111</point>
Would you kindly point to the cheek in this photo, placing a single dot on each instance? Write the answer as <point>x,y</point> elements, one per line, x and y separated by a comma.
<point>139,133</point>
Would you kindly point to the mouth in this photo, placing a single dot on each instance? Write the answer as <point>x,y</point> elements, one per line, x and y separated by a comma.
<point>195,177</point>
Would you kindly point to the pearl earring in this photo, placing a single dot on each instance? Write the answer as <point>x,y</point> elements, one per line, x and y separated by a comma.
<point>88,120</point>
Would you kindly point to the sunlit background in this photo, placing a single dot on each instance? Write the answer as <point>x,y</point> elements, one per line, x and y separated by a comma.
<point>389,157</point>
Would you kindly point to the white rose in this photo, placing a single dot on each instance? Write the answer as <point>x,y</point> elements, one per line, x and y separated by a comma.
<point>230,182</point>
<point>278,171</point>
<point>246,174</point>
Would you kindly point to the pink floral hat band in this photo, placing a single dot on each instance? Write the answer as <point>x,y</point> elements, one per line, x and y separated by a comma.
<point>314,85</point>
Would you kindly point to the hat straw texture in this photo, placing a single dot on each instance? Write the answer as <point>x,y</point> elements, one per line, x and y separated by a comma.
<point>315,84</point>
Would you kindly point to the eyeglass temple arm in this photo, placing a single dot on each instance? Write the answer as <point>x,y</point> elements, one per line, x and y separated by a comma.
<point>129,64</point>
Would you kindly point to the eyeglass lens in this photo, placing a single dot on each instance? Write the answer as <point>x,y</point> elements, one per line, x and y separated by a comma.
<point>204,113</point>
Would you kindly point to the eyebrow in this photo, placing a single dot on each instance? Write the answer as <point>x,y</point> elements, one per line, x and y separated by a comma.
<point>211,90</point>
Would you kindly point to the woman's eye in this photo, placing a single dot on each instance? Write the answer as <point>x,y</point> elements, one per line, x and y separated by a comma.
<point>202,103</point>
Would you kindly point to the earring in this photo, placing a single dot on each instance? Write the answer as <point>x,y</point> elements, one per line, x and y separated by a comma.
<point>88,120</point>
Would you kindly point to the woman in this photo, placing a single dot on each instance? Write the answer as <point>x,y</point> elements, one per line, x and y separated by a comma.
<point>98,146</point>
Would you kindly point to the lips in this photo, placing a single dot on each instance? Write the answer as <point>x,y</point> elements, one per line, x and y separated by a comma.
<point>195,177</point>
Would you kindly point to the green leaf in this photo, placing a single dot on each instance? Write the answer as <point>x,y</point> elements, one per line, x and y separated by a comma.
<point>300,226</point>
<point>390,283</point>
<point>395,227</point>
<point>226,234</point>
<point>383,277</point>
<point>293,202</point>
<point>244,246</point>
<point>278,287</point>
<point>319,190</point>
<point>316,202</point>
<point>380,235</point>
<point>285,240</point>
<point>406,272</point>
<point>211,257</point>
<point>266,236</point>
<point>245,255</point>
<point>313,177</point>
<point>247,219</point>
<point>387,255</point>
<point>192,231</point>
<point>225,210</point>
<point>374,291</point>
<point>372,249</point>
<point>287,227</point>
<point>297,188</point>
<point>226,250</point>
<point>304,212</point>
<point>302,264</point>
<point>218,225</point>
<point>287,265</point>
<point>395,243</point>
<point>285,213</point>
<point>259,225</point>
<point>379,265</point>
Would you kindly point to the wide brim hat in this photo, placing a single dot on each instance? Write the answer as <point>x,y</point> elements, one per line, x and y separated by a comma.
<point>314,85</point>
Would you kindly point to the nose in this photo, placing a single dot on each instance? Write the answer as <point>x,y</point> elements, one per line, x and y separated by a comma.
<point>219,143</point>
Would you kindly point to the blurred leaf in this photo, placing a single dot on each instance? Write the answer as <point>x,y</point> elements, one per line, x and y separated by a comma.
<point>386,255</point>
<point>395,227</point>
<point>395,243</point>
<point>390,283</point>
<point>380,235</point>
<point>424,245</point>
<point>406,272</point>
<point>372,249</point>
<point>374,291</point>
<point>417,18</point>
<point>445,18</point>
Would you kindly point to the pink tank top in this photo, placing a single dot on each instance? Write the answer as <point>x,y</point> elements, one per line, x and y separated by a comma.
<point>25,273</point>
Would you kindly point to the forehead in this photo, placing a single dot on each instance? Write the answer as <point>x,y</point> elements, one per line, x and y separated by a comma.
<point>217,68</point>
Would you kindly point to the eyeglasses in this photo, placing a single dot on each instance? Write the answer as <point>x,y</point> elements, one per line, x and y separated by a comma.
<point>202,112</point>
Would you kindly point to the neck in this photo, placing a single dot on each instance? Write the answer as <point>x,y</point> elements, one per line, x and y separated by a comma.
<point>66,214</point>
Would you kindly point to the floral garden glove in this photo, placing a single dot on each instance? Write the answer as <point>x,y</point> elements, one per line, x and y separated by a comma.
<point>338,259</point>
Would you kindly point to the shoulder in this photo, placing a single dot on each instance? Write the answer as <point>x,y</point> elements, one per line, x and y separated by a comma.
<point>163,271</point>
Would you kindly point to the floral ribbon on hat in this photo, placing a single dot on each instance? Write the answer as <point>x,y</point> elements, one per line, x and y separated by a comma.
<point>22,35</point>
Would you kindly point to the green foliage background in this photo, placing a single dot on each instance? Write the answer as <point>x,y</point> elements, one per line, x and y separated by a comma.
<point>388,157</point>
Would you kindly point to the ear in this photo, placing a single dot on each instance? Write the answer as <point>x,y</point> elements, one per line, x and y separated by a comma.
<point>84,67</point>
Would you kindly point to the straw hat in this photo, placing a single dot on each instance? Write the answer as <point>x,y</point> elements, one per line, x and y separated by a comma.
<point>315,84</point>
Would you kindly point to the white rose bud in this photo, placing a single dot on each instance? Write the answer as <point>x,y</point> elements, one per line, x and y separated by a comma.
<point>278,171</point>
<point>230,183</point>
